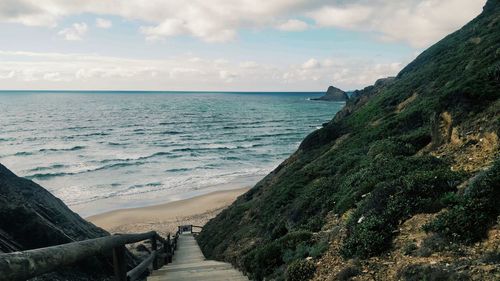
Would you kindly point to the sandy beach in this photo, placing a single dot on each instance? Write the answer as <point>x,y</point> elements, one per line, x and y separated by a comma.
<point>165,218</point>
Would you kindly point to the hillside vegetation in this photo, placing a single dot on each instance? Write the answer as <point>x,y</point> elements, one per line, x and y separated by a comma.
<point>401,184</point>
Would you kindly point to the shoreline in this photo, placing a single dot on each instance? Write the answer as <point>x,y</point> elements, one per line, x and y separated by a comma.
<point>165,217</point>
<point>158,197</point>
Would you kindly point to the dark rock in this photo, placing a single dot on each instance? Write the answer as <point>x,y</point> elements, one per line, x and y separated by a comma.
<point>31,217</point>
<point>334,94</point>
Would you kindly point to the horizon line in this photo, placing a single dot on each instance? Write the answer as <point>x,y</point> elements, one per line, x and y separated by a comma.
<point>163,91</point>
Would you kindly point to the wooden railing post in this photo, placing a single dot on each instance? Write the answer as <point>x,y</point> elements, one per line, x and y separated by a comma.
<point>154,247</point>
<point>168,249</point>
<point>119,263</point>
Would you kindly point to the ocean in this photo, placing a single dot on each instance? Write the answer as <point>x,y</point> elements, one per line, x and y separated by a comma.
<point>100,151</point>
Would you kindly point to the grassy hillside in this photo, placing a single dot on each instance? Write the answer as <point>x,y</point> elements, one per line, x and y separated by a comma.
<point>425,142</point>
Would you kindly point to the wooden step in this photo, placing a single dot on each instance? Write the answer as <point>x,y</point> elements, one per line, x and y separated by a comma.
<point>189,264</point>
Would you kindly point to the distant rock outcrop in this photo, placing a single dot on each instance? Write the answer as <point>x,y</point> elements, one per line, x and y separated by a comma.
<point>334,94</point>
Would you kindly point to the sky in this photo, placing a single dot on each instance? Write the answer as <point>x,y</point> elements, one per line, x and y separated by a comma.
<point>217,45</point>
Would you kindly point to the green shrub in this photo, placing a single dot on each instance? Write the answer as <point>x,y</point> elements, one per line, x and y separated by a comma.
<point>370,229</point>
<point>300,270</point>
<point>450,199</point>
<point>318,249</point>
<point>491,257</point>
<point>409,248</point>
<point>314,224</point>
<point>433,243</point>
<point>469,220</point>
<point>466,223</point>
<point>492,73</point>
<point>279,231</point>
<point>292,239</point>
<point>370,237</point>
<point>391,147</point>
<point>304,250</point>
<point>418,138</point>
<point>300,252</point>
<point>265,259</point>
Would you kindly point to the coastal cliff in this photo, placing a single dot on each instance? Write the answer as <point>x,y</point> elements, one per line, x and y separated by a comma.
<point>333,94</point>
<point>33,218</point>
<point>402,184</point>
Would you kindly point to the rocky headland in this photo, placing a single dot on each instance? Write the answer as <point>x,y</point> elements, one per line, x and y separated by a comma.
<point>333,94</point>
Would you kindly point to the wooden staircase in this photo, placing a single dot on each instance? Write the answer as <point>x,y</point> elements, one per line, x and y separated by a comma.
<point>189,264</point>
<point>176,258</point>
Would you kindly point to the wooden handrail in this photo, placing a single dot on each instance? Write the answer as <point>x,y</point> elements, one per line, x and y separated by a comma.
<point>135,273</point>
<point>32,263</point>
<point>187,228</point>
<point>197,226</point>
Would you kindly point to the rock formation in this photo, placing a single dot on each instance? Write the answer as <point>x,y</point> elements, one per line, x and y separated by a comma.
<point>31,217</point>
<point>333,94</point>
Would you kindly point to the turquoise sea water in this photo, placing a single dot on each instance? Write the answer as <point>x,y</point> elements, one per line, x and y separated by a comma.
<point>100,151</point>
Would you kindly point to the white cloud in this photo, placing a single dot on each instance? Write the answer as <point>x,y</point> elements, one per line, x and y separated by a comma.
<point>344,17</point>
<point>75,32</point>
<point>32,70</point>
<point>345,73</point>
<point>103,23</point>
<point>29,13</point>
<point>7,75</point>
<point>52,76</point>
<point>249,64</point>
<point>311,63</point>
<point>292,25</point>
<point>169,27</point>
<point>418,22</point>
<point>227,76</point>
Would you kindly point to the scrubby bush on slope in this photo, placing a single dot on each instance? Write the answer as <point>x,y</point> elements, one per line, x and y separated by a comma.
<point>469,218</point>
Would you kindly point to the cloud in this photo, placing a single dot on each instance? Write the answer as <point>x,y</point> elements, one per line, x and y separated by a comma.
<point>208,31</point>
<point>103,23</point>
<point>343,17</point>
<point>416,22</point>
<point>293,25</point>
<point>310,64</point>
<point>28,13</point>
<point>227,76</point>
<point>169,27</point>
<point>249,64</point>
<point>346,73</point>
<point>75,32</point>
<point>8,75</point>
<point>30,70</point>
<point>52,76</point>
